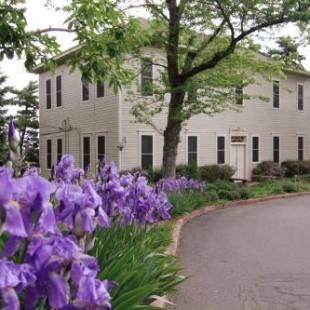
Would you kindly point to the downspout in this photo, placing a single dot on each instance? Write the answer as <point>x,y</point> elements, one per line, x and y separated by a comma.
<point>120,133</point>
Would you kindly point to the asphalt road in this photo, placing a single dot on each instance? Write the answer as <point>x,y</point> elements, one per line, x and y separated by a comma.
<point>248,257</point>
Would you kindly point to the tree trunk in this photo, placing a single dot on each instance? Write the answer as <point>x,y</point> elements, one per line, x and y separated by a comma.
<point>172,135</point>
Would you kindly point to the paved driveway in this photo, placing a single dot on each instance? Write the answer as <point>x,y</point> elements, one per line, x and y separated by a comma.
<point>249,257</point>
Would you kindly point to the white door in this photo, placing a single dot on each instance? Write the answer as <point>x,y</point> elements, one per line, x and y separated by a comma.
<point>237,160</point>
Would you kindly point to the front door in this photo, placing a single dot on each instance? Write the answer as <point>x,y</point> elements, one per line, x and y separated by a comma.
<point>237,160</point>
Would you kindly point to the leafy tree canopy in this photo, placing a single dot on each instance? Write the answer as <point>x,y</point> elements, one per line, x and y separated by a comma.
<point>287,53</point>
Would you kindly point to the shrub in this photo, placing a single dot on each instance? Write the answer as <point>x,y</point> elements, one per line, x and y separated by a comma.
<point>268,168</point>
<point>154,175</point>
<point>244,193</point>
<point>190,171</point>
<point>212,195</point>
<point>229,195</point>
<point>211,173</point>
<point>296,167</point>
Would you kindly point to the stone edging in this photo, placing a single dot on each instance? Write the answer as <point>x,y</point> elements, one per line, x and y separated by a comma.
<point>182,220</point>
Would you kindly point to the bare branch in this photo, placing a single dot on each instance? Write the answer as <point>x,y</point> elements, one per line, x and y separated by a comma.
<point>53,29</point>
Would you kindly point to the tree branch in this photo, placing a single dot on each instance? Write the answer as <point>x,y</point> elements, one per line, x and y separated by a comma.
<point>52,29</point>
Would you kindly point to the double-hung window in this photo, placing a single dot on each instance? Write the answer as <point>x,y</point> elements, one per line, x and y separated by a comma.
<point>100,89</point>
<point>58,91</point>
<point>276,149</point>
<point>300,148</point>
<point>255,149</point>
<point>49,154</point>
<point>85,90</point>
<point>48,89</point>
<point>276,94</point>
<point>192,150</point>
<point>146,151</point>
<point>300,97</point>
<point>101,147</point>
<point>221,150</point>
<point>59,150</point>
<point>146,77</point>
<point>86,153</point>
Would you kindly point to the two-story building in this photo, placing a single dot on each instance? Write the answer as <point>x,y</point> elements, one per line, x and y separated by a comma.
<point>90,121</point>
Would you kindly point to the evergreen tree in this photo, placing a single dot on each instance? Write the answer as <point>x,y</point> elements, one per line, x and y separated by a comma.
<point>3,119</point>
<point>287,52</point>
<point>27,121</point>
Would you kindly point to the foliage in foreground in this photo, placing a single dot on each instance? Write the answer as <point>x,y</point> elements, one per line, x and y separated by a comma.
<point>134,257</point>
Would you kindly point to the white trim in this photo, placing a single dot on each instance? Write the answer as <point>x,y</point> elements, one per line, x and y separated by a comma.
<point>146,133</point>
<point>297,97</point>
<point>259,149</point>
<point>198,147</point>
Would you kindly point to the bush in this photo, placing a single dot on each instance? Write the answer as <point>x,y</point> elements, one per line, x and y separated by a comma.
<point>296,167</point>
<point>154,175</point>
<point>229,195</point>
<point>134,257</point>
<point>211,173</point>
<point>212,195</point>
<point>189,171</point>
<point>268,168</point>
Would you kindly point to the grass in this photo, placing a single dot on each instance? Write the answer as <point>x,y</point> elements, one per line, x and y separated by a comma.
<point>220,192</point>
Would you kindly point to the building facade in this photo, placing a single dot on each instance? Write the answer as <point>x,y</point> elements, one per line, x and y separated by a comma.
<point>90,121</point>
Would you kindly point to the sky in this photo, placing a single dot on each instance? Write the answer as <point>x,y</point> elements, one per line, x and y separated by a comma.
<point>38,16</point>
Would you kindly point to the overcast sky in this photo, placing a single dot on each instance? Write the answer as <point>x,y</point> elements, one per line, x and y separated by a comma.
<point>38,16</point>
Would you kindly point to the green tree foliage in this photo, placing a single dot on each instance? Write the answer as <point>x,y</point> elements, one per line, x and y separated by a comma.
<point>287,53</point>
<point>27,120</point>
<point>208,51</point>
<point>3,91</point>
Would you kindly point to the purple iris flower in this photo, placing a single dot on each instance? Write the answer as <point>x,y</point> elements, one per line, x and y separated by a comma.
<point>13,136</point>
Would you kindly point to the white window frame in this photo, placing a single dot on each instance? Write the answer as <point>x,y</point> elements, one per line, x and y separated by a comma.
<point>198,147</point>
<point>259,149</point>
<point>146,133</point>
<point>297,96</point>
<point>225,149</point>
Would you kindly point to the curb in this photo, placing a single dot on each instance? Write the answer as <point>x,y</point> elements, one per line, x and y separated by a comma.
<point>182,220</point>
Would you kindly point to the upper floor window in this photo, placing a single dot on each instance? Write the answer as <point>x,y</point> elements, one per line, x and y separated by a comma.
<point>48,154</point>
<point>86,153</point>
<point>59,150</point>
<point>146,151</point>
<point>255,149</point>
<point>300,97</point>
<point>85,90</point>
<point>192,150</point>
<point>221,150</point>
<point>100,89</point>
<point>48,88</point>
<point>276,149</point>
<point>146,77</point>
<point>239,95</point>
<point>276,94</point>
<point>300,148</point>
<point>101,147</point>
<point>58,91</point>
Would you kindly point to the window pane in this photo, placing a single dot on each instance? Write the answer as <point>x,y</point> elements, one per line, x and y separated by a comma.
<point>59,149</point>
<point>276,149</point>
<point>86,152</point>
<point>220,150</point>
<point>49,154</point>
<point>255,158</point>
<point>255,149</point>
<point>192,159</point>
<point>85,90</point>
<point>300,148</point>
<point>300,97</point>
<point>221,157</point>
<point>221,143</point>
<point>48,94</point>
<point>276,94</point>
<point>58,91</point>
<point>192,144</point>
<point>146,77</point>
<point>255,143</point>
<point>100,89</point>
<point>147,162</point>
<point>101,147</point>
<point>300,155</point>
<point>147,144</point>
<point>239,95</point>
